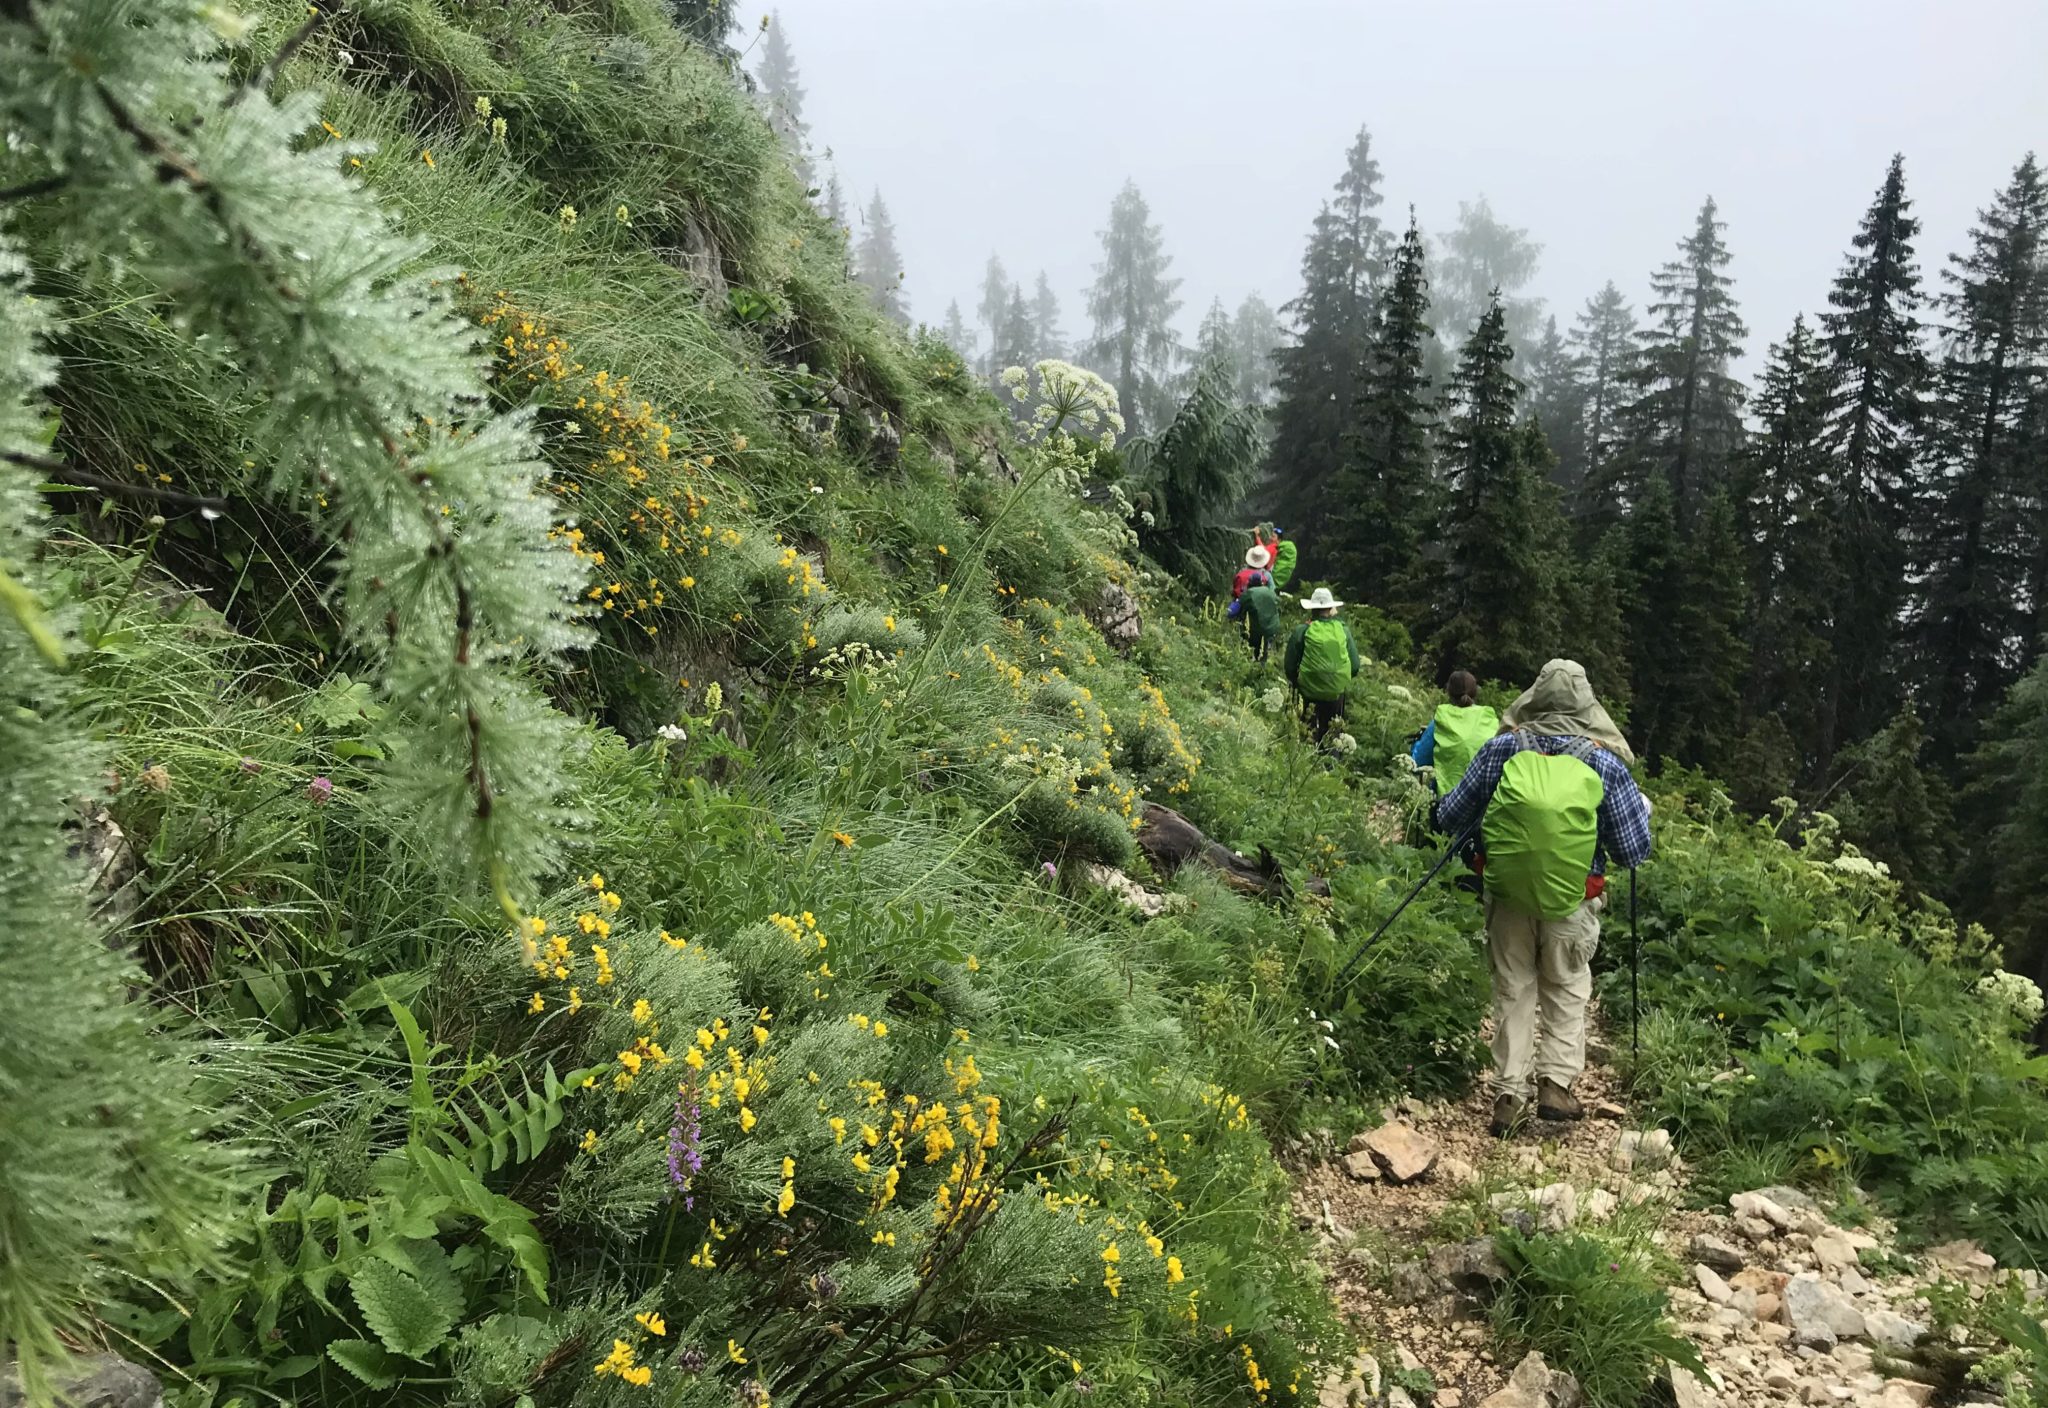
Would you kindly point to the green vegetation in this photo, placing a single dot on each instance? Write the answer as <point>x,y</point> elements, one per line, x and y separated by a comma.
<point>1594,1307</point>
<point>588,742</point>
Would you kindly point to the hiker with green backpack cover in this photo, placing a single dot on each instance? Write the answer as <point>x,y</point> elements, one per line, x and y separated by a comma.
<point>1458,729</point>
<point>1554,803</point>
<point>1322,660</point>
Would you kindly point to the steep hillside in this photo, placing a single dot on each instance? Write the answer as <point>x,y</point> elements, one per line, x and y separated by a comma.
<point>591,759</point>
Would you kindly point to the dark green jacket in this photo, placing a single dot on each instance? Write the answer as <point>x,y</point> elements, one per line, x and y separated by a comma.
<point>1262,609</point>
<point>1327,654</point>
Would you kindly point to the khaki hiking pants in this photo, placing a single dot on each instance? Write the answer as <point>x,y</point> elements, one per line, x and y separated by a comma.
<point>1542,980</point>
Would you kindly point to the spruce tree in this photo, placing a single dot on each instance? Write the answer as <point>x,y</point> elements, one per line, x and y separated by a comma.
<point>957,334</point>
<point>1213,340</point>
<point>1872,333</point>
<point>835,204</point>
<point>1132,303</point>
<point>1383,504</point>
<point>1557,398</point>
<point>783,96</point>
<point>1979,526</point>
<point>1047,340</point>
<point>1315,377</point>
<point>1896,809</point>
<point>1603,343</point>
<point>1014,336</point>
<point>1685,420</point>
<point>708,22</point>
<point>2005,802</point>
<point>1687,603</point>
<point>1195,469</point>
<point>1787,529</point>
<point>993,307</point>
<point>1484,259</point>
<point>1255,333</point>
<point>1494,593</point>
<point>879,266</point>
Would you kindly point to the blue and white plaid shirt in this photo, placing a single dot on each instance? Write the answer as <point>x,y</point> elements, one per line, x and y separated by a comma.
<point>1624,815</point>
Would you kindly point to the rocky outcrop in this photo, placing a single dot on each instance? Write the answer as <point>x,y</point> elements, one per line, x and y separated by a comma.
<point>91,1381</point>
<point>1402,1152</point>
<point>1116,615</point>
<point>1534,1384</point>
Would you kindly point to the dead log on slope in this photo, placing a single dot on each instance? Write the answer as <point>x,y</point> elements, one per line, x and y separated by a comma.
<point>1169,840</point>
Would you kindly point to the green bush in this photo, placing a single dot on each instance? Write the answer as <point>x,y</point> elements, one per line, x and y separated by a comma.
<point>1593,1308</point>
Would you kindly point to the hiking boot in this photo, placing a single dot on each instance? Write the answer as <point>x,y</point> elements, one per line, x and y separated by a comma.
<point>1554,1102</point>
<point>1508,1111</point>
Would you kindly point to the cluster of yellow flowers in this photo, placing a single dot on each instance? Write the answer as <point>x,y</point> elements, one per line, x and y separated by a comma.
<point>803,931</point>
<point>556,958</point>
<point>643,470</point>
<point>1155,716</point>
<point>623,1362</point>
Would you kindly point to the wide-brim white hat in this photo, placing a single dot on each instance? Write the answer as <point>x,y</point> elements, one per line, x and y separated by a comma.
<point>1256,556</point>
<point>1319,600</point>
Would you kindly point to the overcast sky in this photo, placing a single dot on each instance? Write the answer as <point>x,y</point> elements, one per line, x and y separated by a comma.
<point>1597,126</point>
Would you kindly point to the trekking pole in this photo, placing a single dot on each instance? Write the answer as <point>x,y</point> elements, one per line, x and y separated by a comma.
<point>1387,923</point>
<point>1635,975</point>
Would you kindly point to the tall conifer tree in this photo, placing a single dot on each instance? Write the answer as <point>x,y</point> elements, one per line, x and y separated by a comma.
<point>1494,595</point>
<point>879,266</point>
<point>783,95</point>
<point>992,307</point>
<point>1978,535</point>
<point>1015,336</point>
<point>1557,398</point>
<point>1383,504</point>
<point>1872,333</point>
<point>1687,604</point>
<point>1603,341</point>
<point>1484,258</point>
<point>1255,329</point>
<point>1788,535</point>
<point>1685,422</point>
<point>1132,303</point>
<point>1047,340</point>
<point>1315,376</point>
<point>957,334</point>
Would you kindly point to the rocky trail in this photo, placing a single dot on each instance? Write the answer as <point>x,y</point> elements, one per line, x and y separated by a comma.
<point>1783,1305</point>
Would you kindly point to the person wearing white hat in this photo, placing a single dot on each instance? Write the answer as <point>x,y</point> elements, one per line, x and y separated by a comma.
<point>1322,660</point>
<point>1256,562</point>
<point>1259,607</point>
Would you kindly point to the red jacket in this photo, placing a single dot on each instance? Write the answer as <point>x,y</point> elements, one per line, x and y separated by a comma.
<point>1248,576</point>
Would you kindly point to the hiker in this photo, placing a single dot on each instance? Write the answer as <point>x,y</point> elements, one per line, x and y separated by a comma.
<point>1554,802</point>
<point>1321,660</point>
<point>1456,731</point>
<point>1279,552</point>
<point>1260,607</point>
<point>1256,562</point>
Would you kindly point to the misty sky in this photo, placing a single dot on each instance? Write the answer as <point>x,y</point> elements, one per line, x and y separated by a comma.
<point>1598,126</point>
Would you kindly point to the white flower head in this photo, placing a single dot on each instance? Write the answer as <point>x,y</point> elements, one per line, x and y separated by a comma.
<point>2015,993</point>
<point>674,733</point>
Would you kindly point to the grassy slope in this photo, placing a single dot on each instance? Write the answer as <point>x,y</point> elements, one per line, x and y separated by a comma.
<point>900,795</point>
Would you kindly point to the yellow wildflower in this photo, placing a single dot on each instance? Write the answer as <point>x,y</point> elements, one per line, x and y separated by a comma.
<point>589,1144</point>
<point>651,1322</point>
<point>537,1004</point>
<point>735,1352</point>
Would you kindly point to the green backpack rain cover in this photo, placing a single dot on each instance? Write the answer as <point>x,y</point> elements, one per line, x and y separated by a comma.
<point>1461,730</point>
<point>1325,661</point>
<point>1540,833</point>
